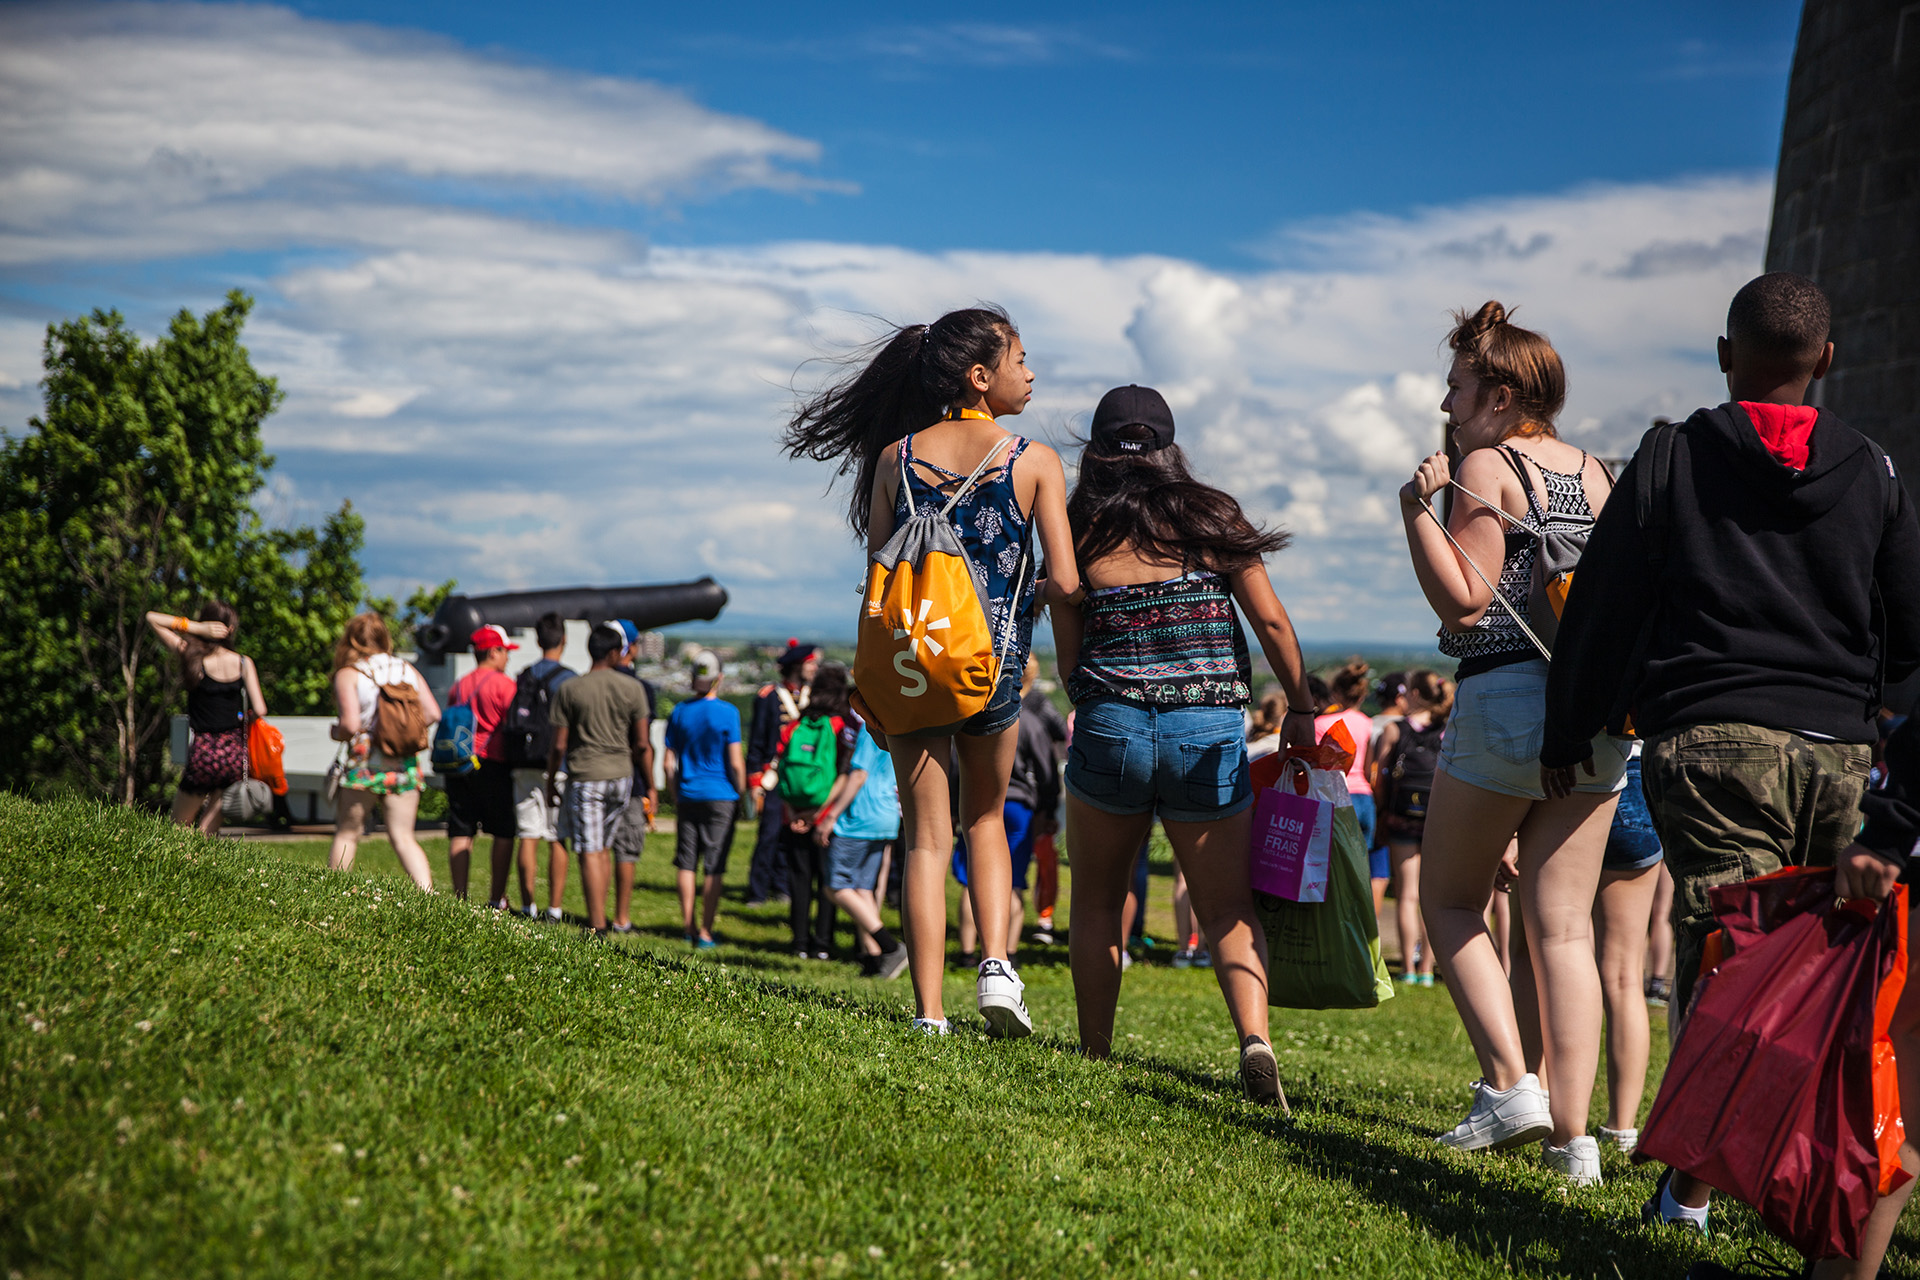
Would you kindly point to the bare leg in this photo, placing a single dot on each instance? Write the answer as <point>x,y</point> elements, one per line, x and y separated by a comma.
<point>1525,987</point>
<point>1016,918</point>
<point>349,819</point>
<point>1467,830</point>
<point>623,891</point>
<point>710,908</point>
<point>210,813</point>
<point>1104,847</point>
<point>529,871</point>
<point>187,808</point>
<point>926,825</point>
<point>969,931</point>
<point>1561,843</point>
<point>1500,913</point>
<point>556,874</point>
<point>859,904</point>
<point>596,873</point>
<point>1214,855</point>
<point>502,859</point>
<point>1413,930</point>
<point>400,809</point>
<point>1660,926</point>
<point>1182,904</point>
<point>460,864</point>
<point>1619,916</point>
<point>686,879</point>
<point>984,766</point>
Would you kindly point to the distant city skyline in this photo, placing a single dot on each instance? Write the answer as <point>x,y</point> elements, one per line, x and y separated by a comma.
<point>539,284</point>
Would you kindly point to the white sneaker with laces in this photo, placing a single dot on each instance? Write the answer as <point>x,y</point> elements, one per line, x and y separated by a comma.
<point>933,1026</point>
<point>1501,1118</point>
<point>998,993</point>
<point>1623,1139</point>
<point>1579,1160</point>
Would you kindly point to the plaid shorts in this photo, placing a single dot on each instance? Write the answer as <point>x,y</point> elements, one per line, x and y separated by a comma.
<point>593,812</point>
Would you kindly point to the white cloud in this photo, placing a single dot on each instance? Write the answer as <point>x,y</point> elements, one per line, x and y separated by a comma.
<point>519,403</point>
<point>137,129</point>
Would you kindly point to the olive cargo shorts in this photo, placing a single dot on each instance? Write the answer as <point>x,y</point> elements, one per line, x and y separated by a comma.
<point>1733,802</point>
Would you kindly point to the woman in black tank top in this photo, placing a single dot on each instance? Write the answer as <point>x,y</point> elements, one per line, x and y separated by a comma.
<point>222,686</point>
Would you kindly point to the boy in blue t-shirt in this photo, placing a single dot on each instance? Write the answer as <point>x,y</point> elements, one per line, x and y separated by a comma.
<point>859,820</point>
<point>707,773</point>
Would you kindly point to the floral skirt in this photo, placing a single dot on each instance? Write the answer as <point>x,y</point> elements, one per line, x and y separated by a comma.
<point>215,761</point>
<point>381,776</point>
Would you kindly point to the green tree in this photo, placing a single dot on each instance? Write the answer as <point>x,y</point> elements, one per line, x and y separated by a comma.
<point>403,621</point>
<point>133,491</point>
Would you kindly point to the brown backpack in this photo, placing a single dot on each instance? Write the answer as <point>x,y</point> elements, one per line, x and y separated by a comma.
<point>399,727</point>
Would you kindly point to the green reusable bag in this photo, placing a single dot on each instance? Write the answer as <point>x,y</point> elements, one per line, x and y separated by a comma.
<point>1326,955</point>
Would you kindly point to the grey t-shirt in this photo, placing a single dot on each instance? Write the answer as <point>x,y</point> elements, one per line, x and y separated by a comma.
<point>598,711</point>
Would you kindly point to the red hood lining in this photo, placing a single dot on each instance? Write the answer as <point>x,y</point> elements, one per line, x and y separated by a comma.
<point>1786,430</point>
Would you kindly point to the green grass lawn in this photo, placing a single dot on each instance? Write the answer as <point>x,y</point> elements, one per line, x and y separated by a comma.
<point>220,1059</point>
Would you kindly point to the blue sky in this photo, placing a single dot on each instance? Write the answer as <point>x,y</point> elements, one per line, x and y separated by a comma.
<point>568,260</point>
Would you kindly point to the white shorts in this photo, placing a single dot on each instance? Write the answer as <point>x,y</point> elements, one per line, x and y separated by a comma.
<point>1493,736</point>
<point>538,820</point>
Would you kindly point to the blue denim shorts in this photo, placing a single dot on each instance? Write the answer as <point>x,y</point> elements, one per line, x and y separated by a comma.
<point>1003,708</point>
<point>1493,736</point>
<point>853,862</point>
<point>1632,843</point>
<point>1188,764</point>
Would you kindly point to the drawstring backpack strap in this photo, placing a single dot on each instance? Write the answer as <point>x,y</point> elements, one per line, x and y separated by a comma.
<point>967,486</point>
<point>1497,597</point>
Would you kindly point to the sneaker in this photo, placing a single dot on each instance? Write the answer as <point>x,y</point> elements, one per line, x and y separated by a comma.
<point>1623,1140</point>
<point>1409,979</point>
<point>1260,1075</point>
<point>1659,992</point>
<point>705,944</point>
<point>933,1026</point>
<point>1202,958</point>
<point>624,928</point>
<point>998,992</point>
<point>1043,935</point>
<point>1654,1212</point>
<point>891,964</point>
<point>821,955</point>
<point>1183,959</point>
<point>1579,1160</point>
<point>1126,961</point>
<point>530,911</point>
<point>1500,1118</point>
<point>1423,979</point>
<point>499,904</point>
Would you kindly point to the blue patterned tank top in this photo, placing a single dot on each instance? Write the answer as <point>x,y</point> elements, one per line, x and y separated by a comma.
<point>1176,643</point>
<point>993,530</point>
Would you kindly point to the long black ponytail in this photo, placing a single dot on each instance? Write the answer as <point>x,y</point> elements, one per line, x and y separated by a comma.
<point>910,379</point>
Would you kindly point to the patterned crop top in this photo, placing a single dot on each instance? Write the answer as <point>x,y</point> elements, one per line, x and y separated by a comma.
<point>1176,643</point>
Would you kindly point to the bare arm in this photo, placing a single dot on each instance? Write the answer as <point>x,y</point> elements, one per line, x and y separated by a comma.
<point>1069,627</point>
<point>428,706</point>
<point>251,674</point>
<point>643,754</point>
<point>556,759</point>
<point>1050,519</point>
<point>1382,747</point>
<point>174,639</point>
<point>670,765</point>
<point>845,788</point>
<point>737,766</point>
<point>886,482</point>
<point>347,698</point>
<point>1457,595</point>
<point>1253,592</point>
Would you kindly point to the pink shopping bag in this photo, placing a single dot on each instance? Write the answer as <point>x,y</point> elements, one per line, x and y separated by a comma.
<point>1292,844</point>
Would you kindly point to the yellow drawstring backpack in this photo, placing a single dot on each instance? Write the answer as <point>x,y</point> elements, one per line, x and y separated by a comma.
<point>927,659</point>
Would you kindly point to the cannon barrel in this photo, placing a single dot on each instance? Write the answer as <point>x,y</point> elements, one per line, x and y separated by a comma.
<point>648,607</point>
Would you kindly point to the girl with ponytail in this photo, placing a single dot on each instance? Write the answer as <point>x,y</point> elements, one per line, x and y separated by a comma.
<point>1514,481</point>
<point>910,427</point>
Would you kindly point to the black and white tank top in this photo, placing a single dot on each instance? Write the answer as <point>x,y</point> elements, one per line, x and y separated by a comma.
<point>1497,640</point>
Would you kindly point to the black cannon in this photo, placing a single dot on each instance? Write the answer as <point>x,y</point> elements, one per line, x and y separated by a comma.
<point>648,607</point>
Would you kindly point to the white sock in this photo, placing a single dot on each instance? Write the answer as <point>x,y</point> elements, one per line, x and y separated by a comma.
<point>554,912</point>
<point>1671,1209</point>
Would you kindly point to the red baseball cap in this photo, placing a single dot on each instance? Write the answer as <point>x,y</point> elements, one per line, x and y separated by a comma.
<point>491,638</point>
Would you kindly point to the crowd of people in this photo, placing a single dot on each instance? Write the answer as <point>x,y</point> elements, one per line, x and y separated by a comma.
<point>1661,690</point>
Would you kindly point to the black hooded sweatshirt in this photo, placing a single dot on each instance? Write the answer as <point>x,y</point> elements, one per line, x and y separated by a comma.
<point>1763,612</point>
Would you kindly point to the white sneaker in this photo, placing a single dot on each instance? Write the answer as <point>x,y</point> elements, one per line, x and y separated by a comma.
<point>1502,1118</point>
<point>1183,959</point>
<point>1623,1139</point>
<point>998,992</point>
<point>933,1026</point>
<point>1579,1160</point>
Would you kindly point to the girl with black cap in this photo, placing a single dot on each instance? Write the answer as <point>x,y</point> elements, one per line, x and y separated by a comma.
<point>1158,670</point>
<point>912,426</point>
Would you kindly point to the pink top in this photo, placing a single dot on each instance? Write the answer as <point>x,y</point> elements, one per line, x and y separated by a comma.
<point>1360,725</point>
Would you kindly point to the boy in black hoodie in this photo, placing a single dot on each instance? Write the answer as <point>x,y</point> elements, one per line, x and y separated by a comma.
<point>1747,631</point>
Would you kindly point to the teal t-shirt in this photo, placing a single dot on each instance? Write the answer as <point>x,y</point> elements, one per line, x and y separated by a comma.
<point>875,811</point>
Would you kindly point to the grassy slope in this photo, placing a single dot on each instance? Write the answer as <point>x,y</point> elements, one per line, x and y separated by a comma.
<point>222,1060</point>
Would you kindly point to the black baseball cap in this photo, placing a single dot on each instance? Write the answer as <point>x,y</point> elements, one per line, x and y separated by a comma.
<point>1131,406</point>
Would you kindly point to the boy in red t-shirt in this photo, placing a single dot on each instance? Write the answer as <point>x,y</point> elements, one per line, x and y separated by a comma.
<point>484,797</point>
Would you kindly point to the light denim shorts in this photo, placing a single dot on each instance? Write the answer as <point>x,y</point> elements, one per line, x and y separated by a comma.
<point>1493,736</point>
<point>1189,764</point>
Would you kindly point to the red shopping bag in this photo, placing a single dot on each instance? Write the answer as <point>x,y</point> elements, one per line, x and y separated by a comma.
<point>1778,1089</point>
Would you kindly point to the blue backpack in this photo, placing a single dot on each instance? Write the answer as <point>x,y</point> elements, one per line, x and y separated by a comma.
<point>453,742</point>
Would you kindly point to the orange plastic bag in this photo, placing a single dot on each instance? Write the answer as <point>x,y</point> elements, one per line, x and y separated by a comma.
<point>1334,753</point>
<point>266,751</point>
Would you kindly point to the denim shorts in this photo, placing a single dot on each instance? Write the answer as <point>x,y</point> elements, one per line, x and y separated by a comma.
<point>1632,843</point>
<point>1003,708</point>
<point>854,862</point>
<point>1188,764</point>
<point>1493,736</point>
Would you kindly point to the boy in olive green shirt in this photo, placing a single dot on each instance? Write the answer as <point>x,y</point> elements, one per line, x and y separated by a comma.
<point>600,729</point>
